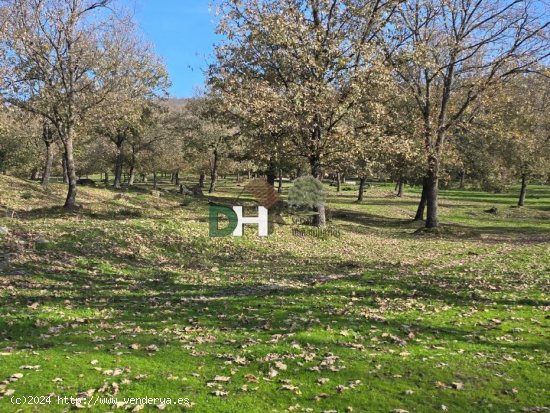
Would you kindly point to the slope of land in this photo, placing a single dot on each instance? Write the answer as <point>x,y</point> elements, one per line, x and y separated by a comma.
<point>128,296</point>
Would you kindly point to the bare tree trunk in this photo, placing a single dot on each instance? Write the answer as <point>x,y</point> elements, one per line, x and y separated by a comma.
<point>177,178</point>
<point>360,195</point>
<point>338,182</point>
<point>64,165</point>
<point>422,205</point>
<point>280,184</point>
<point>34,174</point>
<point>431,199</point>
<point>106,180</point>
<point>71,171</point>
<point>320,218</point>
<point>213,171</point>
<point>523,191</point>
<point>400,188</point>
<point>47,165</point>
<point>154,180</point>
<point>201,180</point>
<point>132,176</point>
<point>119,160</point>
<point>47,137</point>
<point>462,179</point>
<point>271,174</point>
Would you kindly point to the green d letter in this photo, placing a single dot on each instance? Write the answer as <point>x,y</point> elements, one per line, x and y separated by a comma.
<point>215,211</point>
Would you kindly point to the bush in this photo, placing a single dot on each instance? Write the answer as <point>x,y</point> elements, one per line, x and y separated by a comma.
<point>306,192</point>
<point>493,186</point>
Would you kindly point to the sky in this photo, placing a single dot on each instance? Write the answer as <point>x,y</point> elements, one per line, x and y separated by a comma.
<point>183,32</point>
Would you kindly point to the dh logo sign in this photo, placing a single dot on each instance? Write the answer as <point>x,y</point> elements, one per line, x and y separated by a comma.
<point>236,221</point>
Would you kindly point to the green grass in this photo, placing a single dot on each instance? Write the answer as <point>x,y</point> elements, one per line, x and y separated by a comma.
<point>375,320</point>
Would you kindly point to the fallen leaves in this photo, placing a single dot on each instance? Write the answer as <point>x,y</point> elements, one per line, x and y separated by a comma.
<point>243,330</point>
<point>219,393</point>
<point>15,377</point>
<point>222,379</point>
<point>291,387</point>
<point>25,367</point>
<point>251,378</point>
<point>280,365</point>
<point>457,385</point>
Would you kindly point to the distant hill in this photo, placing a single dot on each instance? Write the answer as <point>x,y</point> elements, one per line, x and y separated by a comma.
<point>176,103</point>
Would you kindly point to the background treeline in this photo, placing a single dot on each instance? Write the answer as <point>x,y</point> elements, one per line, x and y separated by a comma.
<point>422,92</point>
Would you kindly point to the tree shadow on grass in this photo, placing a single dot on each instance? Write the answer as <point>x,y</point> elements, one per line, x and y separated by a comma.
<point>364,223</point>
<point>57,212</point>
<point>255,303</point>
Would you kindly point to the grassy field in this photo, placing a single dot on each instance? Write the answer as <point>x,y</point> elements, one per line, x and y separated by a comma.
<point>129,297</point>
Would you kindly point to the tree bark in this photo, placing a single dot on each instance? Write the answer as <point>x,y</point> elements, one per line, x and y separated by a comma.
<point>360,195</point>
<point>422,205</point>
<point>338,182</point>
<point>213,171</point>
<point>34,174</point>
<point>400,185</point>
<point>177,178</point>
<point>320,218</point>
<point>280,184</point>
<point>154,180</point>
<point>47,165</point>
<point>70,201</point>
<point>201,180</point>
<point>462,179</point>
<point>132,176</point>
<point>119,161</point>
<point>523,191</point>
<point>271,174</point>
<point>47,137</point>
<point>64,165</point>
<point>431,199</point>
